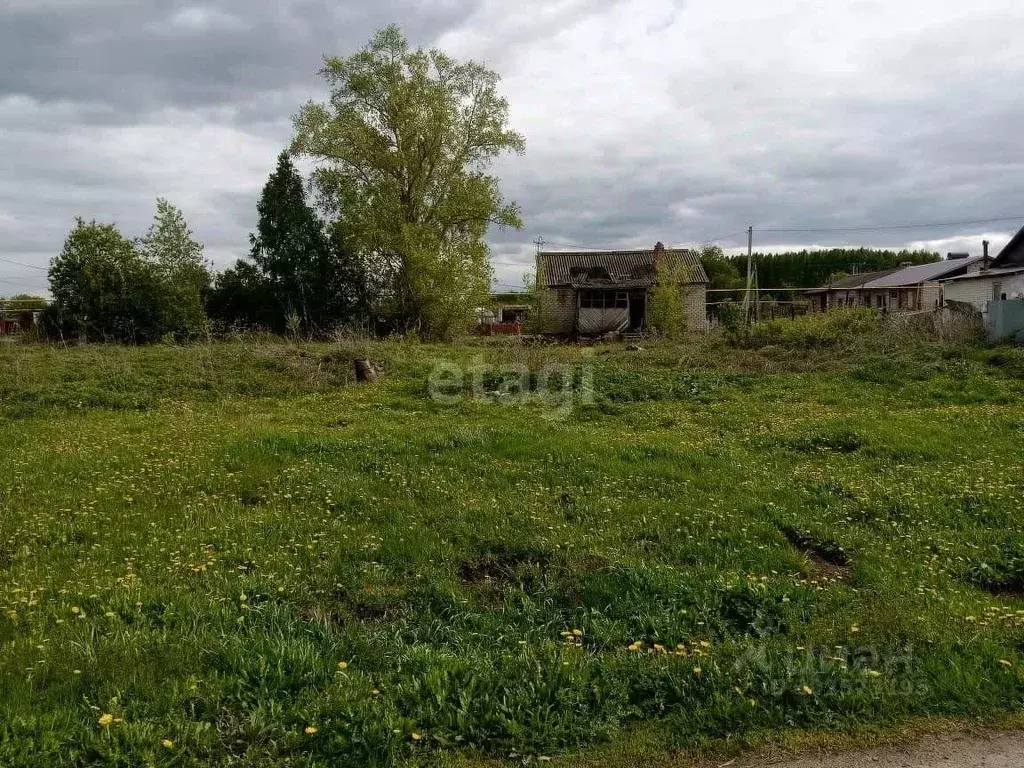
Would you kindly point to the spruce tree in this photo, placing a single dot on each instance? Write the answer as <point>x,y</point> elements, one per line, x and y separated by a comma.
<point>290,247</point>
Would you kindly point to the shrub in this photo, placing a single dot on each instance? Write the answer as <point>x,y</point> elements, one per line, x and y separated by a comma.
<point>823,329</point>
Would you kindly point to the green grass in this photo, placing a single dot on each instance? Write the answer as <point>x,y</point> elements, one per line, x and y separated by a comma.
<point>721,543</point>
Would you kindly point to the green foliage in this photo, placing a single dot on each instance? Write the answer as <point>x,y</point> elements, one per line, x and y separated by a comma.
<point>809,269</point>
<point>403,146</point>
<point>177,260</point>
<point>819,329</point>
<point>302,278</point>
<point>537,319</point>
<point>21,302</point>
<point>722,271</point>
<point>104,289</point>
<point>667,309</point>
<point>244,298</point>
<point>290,246</point>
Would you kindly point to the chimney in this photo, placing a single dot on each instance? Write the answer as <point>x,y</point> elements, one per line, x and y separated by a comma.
<point>659,253</point>
<point>984,258</point>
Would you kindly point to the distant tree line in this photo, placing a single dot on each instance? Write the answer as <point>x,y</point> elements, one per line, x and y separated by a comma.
<point>806,268</point>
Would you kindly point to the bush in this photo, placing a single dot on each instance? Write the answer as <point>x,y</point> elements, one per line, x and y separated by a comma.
<point>824,329</point>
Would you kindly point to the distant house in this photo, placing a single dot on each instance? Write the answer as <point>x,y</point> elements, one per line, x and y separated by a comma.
<point>1002,279</point>
<point>597,292</point>
<point>908,288</point>
<point>15,321</point>
<point>503,316</point>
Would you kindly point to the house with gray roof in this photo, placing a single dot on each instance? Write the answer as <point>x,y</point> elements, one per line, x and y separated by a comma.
<point>909,288</point>
<point>592,293</point>
<point>1002,280</point>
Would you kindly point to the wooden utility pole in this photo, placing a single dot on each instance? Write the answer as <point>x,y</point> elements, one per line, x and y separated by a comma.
<point>750,273</point>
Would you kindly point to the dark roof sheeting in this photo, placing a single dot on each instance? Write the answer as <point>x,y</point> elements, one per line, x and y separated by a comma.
<point>900,277</point>
<point>614,269</point>
<point>922,273</point>
<point>1013,254</point>
<point>992,272</point>
<point>853,281</point>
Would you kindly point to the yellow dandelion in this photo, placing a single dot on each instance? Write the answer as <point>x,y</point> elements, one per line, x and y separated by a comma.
<point>1006,663</point>
<point>808,690</point>
<point>697,671</point>
<point>310,730</point>
<point>416,736</point>
<point>75,609</point>
<point>342,665</point>
<point>106,719</point>
<point>167,744</point>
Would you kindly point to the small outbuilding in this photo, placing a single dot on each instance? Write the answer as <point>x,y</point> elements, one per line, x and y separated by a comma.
<point>593,293</point>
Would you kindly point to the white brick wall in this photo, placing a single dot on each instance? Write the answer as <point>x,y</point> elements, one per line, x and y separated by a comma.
<point>979,292</point>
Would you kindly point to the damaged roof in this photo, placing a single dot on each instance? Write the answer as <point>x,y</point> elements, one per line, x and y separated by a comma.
<point>615,269</point>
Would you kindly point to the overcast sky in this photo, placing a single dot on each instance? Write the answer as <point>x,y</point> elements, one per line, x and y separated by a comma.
<point>645,120</point>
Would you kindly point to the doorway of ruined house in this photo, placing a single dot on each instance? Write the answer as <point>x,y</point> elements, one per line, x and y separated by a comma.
<point>637,311</point>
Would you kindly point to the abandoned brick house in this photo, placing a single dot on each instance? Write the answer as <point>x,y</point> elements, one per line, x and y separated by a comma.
<point>908,288</point>
<point>597,292</point>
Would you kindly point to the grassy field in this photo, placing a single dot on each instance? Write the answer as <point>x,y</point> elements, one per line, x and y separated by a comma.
<point>231,554</point>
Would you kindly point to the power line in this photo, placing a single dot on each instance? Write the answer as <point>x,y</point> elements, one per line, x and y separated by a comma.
<point>512,263</point>
<point>22,264</point>
<point>702,241</point>
<point>783,230</point>
<point>891,227</point>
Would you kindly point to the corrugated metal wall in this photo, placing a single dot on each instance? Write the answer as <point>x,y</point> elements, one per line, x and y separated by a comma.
<point>594,322</point>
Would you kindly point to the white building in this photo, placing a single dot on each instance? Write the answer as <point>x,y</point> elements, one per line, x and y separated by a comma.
<point>1003,279</point>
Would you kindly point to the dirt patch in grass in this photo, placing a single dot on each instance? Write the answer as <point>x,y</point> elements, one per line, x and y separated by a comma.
<point>505,564</point>
<point>1001,574</point>
<point>832,441</point>
<point>823,554</point>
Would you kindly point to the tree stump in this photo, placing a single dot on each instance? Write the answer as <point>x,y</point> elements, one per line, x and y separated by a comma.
<point>365,371</point>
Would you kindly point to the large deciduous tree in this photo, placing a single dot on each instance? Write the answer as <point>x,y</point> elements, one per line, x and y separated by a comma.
<point>402,148</point>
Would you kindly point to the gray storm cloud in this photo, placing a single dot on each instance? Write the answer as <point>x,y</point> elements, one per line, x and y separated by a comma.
<point>644,120</point>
